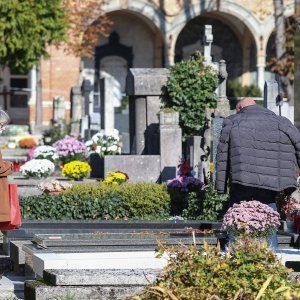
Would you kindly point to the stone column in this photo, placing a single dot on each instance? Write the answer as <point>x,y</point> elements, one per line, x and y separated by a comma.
<point>261,64</point>
<point>223,108</point>
<point>170,145</point>
<point>169,50</point>
<point>140,125</point>
<point>32,99</point>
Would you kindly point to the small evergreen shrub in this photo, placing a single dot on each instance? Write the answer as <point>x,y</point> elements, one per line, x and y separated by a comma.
<point>252,272</point>
<point>198,204</point>
<point>100,201</point>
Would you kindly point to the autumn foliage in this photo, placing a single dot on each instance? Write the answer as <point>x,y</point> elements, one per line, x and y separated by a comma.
<point>87,23</point>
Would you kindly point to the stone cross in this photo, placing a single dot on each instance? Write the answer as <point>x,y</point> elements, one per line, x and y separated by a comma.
<point>207,41</point>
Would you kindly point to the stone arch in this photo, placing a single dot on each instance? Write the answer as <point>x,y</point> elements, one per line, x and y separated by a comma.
<point>148,11</point>
<point>225,42</point>
<point>226,7</point>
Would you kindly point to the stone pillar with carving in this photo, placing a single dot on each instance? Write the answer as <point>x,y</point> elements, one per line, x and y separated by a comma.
<point>223,108</point>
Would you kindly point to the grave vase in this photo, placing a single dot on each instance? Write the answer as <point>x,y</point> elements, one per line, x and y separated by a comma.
<point>97,164</point>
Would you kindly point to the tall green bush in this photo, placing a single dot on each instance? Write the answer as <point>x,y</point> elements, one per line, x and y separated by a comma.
<point>100,201</point>
<point>190,90</point>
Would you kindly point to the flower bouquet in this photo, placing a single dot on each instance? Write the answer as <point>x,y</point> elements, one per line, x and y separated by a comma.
<point>116,178</point>
<point>45,152</point>
<point>251,218</point>
<point>40,168</point>
<point>104,143</point>
<point>76,170</point>
<point>70,149</point>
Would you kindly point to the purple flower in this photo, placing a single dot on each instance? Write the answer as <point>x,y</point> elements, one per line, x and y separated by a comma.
<point>185,183</point>
<point>252,217</point>
<point>69,146</point>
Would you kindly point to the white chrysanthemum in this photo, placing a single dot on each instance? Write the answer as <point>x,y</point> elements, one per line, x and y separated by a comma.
<point>105,142</point>
<point>45,152</point>
<point>37,168</point>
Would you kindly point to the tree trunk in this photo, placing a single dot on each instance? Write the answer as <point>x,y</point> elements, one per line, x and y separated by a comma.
<point>280,41</point>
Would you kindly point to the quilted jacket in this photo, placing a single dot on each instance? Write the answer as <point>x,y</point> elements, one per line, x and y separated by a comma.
<point>258,148</point>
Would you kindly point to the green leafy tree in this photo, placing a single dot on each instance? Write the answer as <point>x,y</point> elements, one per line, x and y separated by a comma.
<point>190,90</point>
<point>27,28</point>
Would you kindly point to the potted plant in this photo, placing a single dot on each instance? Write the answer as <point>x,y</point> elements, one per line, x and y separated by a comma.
<point>251,218</point>
<point>101,144</point>
<point>70,149</point>
<point>116,177</point>
<point>104,143</point>
<point>76,170</point>
<point>45,152</point>
<point>183,188</point>
<point>39,168</point>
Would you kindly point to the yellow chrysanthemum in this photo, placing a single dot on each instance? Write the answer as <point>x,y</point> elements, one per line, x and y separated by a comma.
<point>115,178</point>
<point>76,169</point>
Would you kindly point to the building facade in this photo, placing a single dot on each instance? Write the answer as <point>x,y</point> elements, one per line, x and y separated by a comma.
<point>149,34</point>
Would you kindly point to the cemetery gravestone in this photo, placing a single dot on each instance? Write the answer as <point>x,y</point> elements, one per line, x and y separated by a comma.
<point>59,111</point>
<point>143,86</point>
<point>76,110</point>
<point>271,96</point>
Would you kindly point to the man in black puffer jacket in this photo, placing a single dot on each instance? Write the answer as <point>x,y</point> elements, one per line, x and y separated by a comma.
<point>258,153</point>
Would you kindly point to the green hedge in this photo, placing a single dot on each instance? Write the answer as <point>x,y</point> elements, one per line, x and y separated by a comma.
<point>146,201</point>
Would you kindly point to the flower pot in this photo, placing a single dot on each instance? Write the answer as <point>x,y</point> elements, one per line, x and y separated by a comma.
<point>97,164</point>
<point>53,192</point>
<point>290,224</point>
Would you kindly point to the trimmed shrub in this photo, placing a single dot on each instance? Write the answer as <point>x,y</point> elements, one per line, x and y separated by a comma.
<point>146,200</point>
<point>100,201</point>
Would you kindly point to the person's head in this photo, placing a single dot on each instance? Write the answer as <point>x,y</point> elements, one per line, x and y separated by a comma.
<point>243,103</point>
<point>4,120</point>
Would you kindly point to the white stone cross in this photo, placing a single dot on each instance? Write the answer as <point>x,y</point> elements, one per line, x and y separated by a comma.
<point>207,41</point>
